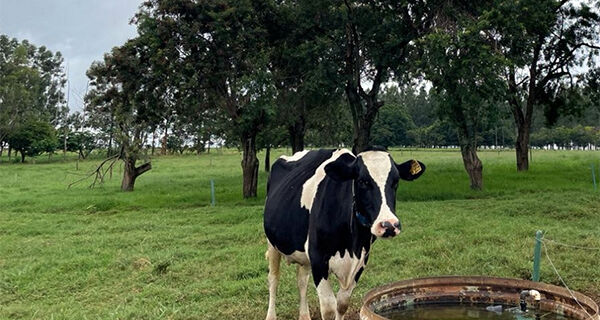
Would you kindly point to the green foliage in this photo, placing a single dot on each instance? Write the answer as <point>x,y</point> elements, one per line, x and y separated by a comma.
<point>81,142</point>
<point>566,137</point>
<point>394,121</point>
<point>31,84</point>
<point>32,138</point>
<point>465,72</point>
<point>121,92</point>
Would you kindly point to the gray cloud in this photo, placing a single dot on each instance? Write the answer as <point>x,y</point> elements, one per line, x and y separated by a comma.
<point>82,30</point>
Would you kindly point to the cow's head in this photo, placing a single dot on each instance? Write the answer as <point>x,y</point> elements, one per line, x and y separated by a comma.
<point>375,177</point>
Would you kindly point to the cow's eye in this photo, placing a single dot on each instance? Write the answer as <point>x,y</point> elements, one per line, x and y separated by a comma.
<point>395,185</point>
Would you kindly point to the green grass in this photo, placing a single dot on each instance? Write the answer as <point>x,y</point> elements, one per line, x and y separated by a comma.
<point>162,252</point>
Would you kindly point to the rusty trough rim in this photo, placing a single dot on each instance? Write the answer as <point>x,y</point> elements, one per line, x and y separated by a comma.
<point>552,296</point>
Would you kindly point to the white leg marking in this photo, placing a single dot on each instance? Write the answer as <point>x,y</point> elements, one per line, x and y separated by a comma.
<point>327,300</point>
<point>343,301</point>
<point>302,275</point>
<point>274,258</point>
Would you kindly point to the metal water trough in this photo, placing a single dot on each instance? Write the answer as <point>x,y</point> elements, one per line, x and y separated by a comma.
<point>487,290</point>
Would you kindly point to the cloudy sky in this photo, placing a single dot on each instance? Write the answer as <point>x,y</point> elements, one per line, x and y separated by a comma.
<point>82,30</point>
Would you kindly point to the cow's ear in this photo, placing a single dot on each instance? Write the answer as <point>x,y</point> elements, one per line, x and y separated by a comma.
<point>343,168</point>
<point>411,169</point>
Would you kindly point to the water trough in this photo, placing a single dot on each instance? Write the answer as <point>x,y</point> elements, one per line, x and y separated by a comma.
<point>459,290</point>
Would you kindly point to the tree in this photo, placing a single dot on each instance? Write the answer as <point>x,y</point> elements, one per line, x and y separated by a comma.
<point>394,121</point>
<point>464,70</point>
<point>306,80</point>
<point>122,89</point>
<point>376,39</point>
<point>223,54</point>
<point>544,41</point>
<point>32,138</point>
<point>31,84</point>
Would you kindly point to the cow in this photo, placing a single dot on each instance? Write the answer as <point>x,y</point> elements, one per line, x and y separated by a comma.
<point>324,209</point>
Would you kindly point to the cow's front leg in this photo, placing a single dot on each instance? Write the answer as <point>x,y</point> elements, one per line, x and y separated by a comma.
<point>343,301</point>
<point>302,275</point>
<point>327,300</point>
<point>274,258</point>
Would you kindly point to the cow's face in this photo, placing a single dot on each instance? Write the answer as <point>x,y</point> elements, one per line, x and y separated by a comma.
<point>375,178</point>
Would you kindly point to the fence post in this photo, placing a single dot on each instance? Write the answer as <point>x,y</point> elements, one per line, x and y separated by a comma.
<point>594,176</point>
<point>212,192</point>
<point>537,256</point>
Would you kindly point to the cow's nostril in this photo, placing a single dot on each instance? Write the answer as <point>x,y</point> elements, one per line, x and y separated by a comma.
<point>397,225</point>
<point>386,225</point>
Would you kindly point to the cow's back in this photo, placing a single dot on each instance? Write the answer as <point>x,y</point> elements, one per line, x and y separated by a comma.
<point>285,220</point>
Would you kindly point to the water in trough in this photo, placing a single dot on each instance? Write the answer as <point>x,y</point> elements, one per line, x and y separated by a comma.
<point>468,312</point>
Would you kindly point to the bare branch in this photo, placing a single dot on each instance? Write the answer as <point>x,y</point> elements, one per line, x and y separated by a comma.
<point>99,172</point>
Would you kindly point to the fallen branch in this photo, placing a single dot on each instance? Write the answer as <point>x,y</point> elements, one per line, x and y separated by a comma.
<point>99,173</point>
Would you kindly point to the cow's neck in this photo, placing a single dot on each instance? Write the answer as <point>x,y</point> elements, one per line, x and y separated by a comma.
<point>360,227</point>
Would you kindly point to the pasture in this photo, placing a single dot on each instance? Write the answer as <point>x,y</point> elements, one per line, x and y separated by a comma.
<point>162,252</point>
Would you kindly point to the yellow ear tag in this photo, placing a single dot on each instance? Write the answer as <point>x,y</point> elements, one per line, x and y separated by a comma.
<point>415,168</point>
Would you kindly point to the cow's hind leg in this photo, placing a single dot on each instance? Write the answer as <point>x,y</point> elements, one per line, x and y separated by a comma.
<point>274,258</point>
<point>302,274</point>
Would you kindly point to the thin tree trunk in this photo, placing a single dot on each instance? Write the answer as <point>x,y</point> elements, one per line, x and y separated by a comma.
<point>268,159</point>
<point>522,148</point>
<point>110,139</point>
<point>153,141</point>
<point>297,132</point>
<point>473,165</point>
<point>9,152</point>
<point>65,145</point>
<point>1,148</point>
<point>249,165</point>
<point>22,156</point>
<point>109,150</point>
<point>163,149</point>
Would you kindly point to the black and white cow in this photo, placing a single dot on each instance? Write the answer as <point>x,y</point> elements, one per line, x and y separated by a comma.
<point>323,211</point>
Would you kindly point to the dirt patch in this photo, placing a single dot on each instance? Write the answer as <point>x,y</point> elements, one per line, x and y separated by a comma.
<point>141,263</point>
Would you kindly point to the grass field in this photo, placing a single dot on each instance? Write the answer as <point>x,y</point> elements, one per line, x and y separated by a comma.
<point>162,252</point>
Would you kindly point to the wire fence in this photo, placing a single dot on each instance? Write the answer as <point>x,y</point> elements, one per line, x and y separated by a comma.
<point>546,241</point>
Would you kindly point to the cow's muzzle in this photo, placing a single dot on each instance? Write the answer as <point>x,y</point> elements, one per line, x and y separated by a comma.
<point>390,228</point>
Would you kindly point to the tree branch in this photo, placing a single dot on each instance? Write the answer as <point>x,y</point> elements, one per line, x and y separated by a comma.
<point>143,168</point>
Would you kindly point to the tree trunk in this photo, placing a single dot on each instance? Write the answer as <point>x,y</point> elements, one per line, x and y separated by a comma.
<point>363,105</point>
<point>522,148</point>
<point>472,164</point>
<point>249,165</point>
<point>163,149</point>
<point>268,159</point>
<point>297,132</point>
<point>65,145</point>
<point>130,173</point>
<point>153,141</point>
<point>363,120</point>
<point>109,150</point>
<point>1,149</point>
<point>110,139</point>
<point>9,152</point>
<point>22,156</point>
